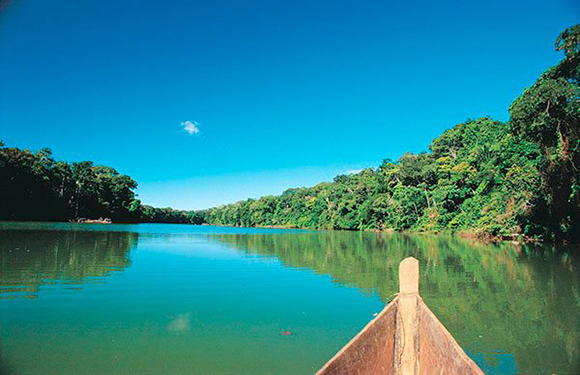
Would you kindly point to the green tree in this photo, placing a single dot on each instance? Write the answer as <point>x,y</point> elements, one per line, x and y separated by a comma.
<point>548,114</point>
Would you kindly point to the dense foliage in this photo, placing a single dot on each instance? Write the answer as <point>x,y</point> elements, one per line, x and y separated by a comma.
<point>548,114</point>
<point>34,186</point>
<point>477,176</point>
<point>481,176</point>
<point>152,214</point>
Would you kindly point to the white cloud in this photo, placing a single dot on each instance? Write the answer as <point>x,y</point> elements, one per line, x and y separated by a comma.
<point>354,171</point>
<point>190,127</point>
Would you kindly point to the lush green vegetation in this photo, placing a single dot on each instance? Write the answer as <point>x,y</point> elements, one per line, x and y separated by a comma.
<point>482,176</point>
<point>150,214</point>
<point>35,186</point>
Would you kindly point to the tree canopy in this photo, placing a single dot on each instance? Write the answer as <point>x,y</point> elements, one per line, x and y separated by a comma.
<point>35,186</point>
<point>481,176</point>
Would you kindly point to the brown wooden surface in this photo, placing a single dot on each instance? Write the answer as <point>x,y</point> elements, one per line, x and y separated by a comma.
<point>407,331</point>
<point>439,352</point>
<point>409,276</point>
<point>371,351</point>
<point>406,338</point>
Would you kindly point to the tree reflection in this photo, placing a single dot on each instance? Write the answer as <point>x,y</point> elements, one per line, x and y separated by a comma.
<point>499,301</point>
<point>30,259</point>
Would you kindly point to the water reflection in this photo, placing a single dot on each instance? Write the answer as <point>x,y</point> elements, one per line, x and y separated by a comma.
<point>513,308</point>
<point>180,323</point>
<point>29,260</point>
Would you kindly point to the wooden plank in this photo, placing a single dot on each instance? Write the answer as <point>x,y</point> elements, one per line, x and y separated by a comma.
<point>371,351</point>
<point>407,331</point>
<point>440,353</point>
<point>409,276</point>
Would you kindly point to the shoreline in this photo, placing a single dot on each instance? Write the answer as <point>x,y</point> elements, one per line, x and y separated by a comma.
<point>481,237</point>
<point>516,239</point>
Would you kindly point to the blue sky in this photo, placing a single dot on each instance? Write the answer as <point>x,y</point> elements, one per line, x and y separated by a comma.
<point>205,103</point>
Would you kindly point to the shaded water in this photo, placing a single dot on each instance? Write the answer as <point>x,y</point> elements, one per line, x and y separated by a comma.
<point>154,298</point>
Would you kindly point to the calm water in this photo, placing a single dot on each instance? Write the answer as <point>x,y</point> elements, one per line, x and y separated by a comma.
<point>179,299</point>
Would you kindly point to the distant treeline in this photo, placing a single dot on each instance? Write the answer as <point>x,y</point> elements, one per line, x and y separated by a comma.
<point>150,214</point>
<point>482,176</point>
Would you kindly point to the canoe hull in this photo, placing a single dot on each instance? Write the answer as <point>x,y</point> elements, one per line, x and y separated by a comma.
<point>439,353</point>
<point>406,338</point>
<point>371,351</point>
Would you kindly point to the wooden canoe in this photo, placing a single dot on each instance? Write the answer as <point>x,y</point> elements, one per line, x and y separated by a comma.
<point>406,338</point>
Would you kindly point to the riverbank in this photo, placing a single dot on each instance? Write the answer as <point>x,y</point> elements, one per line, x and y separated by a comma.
<point>473,235</point>
<point>92,221</point>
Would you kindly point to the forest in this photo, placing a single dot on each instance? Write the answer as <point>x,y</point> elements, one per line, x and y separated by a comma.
<point>514,179</point>
<point>35,186</point>
<point>484,177</point>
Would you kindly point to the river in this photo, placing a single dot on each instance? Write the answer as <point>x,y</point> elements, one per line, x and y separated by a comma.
<point>183,299</point>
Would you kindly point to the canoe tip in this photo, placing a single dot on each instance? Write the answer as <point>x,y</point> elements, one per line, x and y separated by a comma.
<point>409,276</point>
